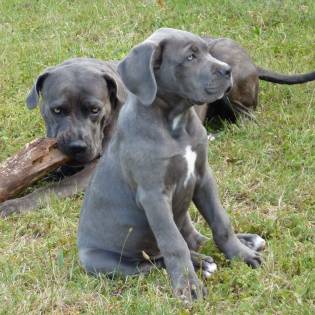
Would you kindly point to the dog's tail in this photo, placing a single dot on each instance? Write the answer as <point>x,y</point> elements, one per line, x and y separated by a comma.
<point>279,78</point>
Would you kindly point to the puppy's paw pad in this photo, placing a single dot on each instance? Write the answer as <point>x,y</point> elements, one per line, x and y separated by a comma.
<point>253,241</point>
<point>209,269</point>
<point>211,137</point>
<point>259,243</point>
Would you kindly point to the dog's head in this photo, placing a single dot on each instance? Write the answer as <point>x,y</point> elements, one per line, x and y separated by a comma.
<point>79,98</point>
<point>175,63</point>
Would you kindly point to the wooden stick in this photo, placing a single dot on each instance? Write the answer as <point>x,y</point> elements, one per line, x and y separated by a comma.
<point>35,160</point>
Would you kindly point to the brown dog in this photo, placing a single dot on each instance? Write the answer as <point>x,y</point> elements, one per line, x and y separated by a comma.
<point>243,97</point>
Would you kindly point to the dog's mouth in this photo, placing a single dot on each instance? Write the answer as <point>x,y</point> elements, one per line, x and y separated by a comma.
<point>78,157</point>
<point>212,94</point>
<point>228,90</point>
<point>81,159</point>
<point>213,91</point>
<point>85,157</point>
<point>77,164</point>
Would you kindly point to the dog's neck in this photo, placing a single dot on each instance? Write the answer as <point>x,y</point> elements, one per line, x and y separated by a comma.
<point>176,109</point>
<point>173,102</point>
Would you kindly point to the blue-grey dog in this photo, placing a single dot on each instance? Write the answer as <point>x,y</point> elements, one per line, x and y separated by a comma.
<point>136,207</point>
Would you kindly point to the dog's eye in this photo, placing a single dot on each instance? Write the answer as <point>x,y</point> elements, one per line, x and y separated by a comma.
<point>57,110</point>
<point>191,57</point>
<point>95,110</point>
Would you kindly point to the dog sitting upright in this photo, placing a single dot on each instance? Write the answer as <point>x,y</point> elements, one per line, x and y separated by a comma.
<point>156,164</point>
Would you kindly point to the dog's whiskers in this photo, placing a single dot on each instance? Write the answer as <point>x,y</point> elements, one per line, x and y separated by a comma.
<point>239,108</point>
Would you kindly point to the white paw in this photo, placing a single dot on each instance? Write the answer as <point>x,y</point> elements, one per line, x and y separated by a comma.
<point>211,137</point>
<point>259,243</point>
<point>209,269</point>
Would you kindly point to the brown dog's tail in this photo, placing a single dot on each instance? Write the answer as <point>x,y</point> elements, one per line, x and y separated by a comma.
<point>279,78</point>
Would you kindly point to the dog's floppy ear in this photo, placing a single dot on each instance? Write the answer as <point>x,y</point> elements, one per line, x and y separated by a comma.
<point>116,87</point>
<point>33,95</point>
<point>136,71</point>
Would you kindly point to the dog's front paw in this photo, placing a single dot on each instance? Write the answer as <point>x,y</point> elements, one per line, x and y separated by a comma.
<point>250,256</point>
<point>234,248</point>
<point>188,288</point>
<point>13,206</point>
<point>9,207</point>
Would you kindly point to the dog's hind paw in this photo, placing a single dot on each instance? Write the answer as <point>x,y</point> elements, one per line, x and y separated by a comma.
<point>203,263</point>
<point>196,240</point>
<point>253,241</point>
<point>211,137</point>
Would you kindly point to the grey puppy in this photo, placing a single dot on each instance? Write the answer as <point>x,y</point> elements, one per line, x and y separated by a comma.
<point>156,163</point>
<point>80,101</point>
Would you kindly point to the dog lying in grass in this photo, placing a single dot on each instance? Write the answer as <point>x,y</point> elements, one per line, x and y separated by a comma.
<point>242,100</point>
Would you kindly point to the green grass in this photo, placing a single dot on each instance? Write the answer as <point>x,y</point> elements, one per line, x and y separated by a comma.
<point>265,172</point>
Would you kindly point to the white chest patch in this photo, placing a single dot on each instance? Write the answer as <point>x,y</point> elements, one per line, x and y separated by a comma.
<point>176,121</point>
<point>190,157</point>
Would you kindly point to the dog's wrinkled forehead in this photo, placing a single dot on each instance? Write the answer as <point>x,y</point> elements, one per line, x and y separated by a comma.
<point>74,79</point>
<point>175,35</point>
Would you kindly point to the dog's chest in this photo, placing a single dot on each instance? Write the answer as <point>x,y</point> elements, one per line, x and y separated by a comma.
<point>189,157</point>
<point>181,177</point>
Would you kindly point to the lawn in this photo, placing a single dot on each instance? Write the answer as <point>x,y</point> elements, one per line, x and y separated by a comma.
<point>265,171</point>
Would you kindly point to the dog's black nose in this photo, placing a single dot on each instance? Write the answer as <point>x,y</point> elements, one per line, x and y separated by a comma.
<point>77,146</point>
<point>225,71</point>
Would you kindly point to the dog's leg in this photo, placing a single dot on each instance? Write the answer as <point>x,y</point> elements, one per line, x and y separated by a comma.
<point>193,238</point>
<point>172,245</point>
<point>65,188</point>
<point>207,200</point>
<point>99,261</point>
<point>194,241</point>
